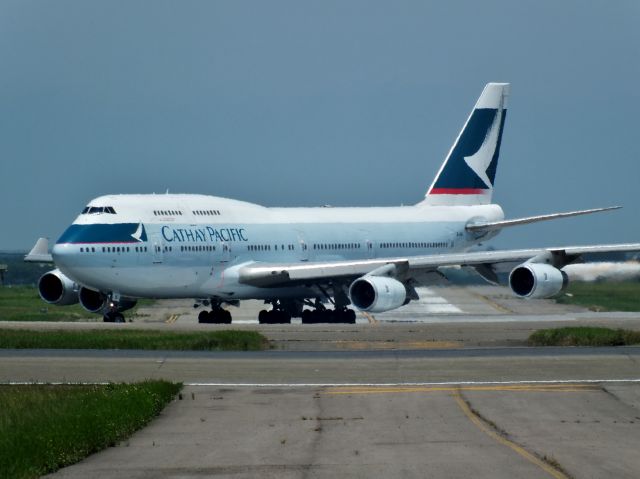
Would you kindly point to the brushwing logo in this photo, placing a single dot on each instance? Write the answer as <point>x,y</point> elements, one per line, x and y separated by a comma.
<point>479,162</point>
<point>140,234</point>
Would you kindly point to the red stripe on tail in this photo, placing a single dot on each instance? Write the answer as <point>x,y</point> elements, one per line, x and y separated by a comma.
<point>457,191</point>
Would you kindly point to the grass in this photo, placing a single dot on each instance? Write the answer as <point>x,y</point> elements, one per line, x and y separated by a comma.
<point>584,336</point>
<point>134,339</point>
<point>44,428</point>
<point>611,296</point>
<point>22,303</point>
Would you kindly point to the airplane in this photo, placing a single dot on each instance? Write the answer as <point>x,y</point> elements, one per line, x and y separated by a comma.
<point>311,263</point>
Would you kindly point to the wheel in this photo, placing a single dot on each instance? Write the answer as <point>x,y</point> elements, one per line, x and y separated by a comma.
<point>263,317</point>
<point>310,317</point>
<point>348,316</point>
<point>107,318</point>
<point>118,318</point>
<point>226,316</point>
<point>282,317</point>
<point>204,317</point>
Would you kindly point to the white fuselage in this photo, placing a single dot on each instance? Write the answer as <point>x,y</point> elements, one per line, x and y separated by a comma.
<point>191,246</point>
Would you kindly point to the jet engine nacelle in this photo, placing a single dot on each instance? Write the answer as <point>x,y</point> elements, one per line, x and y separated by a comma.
<point>97,302</point>
<point>377,294</point>
<point>92,301</point>
<point>534,280</point>
<point>55,288</point>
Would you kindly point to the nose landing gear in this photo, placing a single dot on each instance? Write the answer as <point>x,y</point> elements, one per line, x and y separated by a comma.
<point>113,317</point>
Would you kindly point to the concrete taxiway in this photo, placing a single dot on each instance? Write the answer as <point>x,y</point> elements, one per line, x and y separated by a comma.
<point>529,431</point>
<point>452,394</point>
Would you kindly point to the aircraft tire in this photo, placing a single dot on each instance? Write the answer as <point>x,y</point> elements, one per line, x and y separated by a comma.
<point>309,317</point>
<point>282,317</point>
<point>204,317</point>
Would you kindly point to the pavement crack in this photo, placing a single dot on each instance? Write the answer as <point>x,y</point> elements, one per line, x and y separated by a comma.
<point>547,463</point>
<point>617,398</point>
<point>314,445</point>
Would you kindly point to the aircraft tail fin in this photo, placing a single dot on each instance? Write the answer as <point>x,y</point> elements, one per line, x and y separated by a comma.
<point>40,252</point>
<point>468,173</point>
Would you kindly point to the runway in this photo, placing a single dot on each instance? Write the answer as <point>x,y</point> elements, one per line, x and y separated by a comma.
<point>567,430</point>
<point>368,367</point>
<point>489,412</point>
<point>407,396</point>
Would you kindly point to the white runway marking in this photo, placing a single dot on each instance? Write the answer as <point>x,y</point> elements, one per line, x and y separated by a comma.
<point>416,384</point>
<point>428,304</point>
<point>315,385</point>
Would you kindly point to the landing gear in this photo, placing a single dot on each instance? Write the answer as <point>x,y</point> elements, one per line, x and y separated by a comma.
<point>344,316</point>
<point>215,316</point>
<point>113,317</point>
<point>275,316</point>
<point>111,305</point>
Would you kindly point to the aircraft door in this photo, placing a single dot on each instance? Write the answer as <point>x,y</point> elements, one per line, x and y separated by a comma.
<point>304,248</point>
<point>157,246</point>
<point>225,254</point>
<point>370,247</point>
<point>222,252</point>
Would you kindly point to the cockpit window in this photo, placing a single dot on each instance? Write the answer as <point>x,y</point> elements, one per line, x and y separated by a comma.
<point>94,210</point>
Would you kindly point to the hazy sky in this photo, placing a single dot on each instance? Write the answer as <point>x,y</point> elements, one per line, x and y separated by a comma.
<point>311,103</point>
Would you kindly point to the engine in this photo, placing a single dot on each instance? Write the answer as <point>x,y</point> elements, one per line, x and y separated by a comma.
<point>535,280</point>
<point>92,301</point>
<point>97,302</point>
<point>377,294</point>
<point>55,288</point>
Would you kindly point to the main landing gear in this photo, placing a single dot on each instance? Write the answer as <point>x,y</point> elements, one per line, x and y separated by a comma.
<point>343,315</point>
<point>275,316</point>
<point>217,315</point>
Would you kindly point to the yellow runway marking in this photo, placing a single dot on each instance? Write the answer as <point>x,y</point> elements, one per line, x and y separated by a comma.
<point>172,319</point>
<point>480,423</point>
<point>502,387</point>
<point>492,303</point>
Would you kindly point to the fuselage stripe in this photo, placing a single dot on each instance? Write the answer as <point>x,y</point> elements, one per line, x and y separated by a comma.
<point>457,191</point>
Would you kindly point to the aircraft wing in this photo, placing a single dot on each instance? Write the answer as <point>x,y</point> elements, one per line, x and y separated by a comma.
<point>284,274</point>
<point>498,225</point>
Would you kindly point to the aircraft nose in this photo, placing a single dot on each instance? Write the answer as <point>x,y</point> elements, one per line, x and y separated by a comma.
<point>61,253</point>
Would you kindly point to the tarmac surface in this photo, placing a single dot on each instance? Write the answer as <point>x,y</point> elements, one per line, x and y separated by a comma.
<point>452,394</point>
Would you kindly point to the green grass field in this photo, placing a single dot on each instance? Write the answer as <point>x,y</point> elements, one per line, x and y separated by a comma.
<point>44,428</point>
<point>609,296</point>
<point>22,303</point>
<point>584,336</point>
<point>134,339</point>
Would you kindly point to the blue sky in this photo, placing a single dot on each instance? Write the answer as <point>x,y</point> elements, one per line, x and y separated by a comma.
<point>311,103</point>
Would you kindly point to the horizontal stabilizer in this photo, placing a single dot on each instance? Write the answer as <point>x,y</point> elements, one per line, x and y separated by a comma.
<point>497,225</point>
<point>40,252</point>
